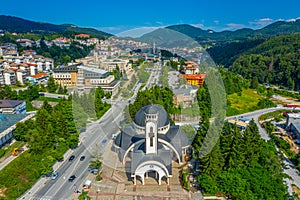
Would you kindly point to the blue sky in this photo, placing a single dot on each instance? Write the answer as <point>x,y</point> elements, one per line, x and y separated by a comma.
<point>117,16</point>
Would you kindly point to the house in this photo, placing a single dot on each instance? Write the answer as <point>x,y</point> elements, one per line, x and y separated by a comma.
<point>12,107</point>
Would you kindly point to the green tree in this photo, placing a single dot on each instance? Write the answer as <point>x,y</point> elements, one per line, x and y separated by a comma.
<point>51,86</point>
<point>254,82</point>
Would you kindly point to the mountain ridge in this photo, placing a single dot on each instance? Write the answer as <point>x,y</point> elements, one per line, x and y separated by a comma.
<point>20,25</point>
<point>209,36</point>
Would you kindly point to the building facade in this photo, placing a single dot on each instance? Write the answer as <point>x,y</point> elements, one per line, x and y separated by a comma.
<point>80,76</point>
<point>151,144</point>
<point>12,107</point>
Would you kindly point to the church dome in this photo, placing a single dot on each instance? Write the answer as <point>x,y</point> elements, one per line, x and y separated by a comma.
<point>152,110</point>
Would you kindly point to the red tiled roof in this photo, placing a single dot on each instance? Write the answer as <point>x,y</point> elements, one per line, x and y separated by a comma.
<point>40,75</point>
<point>195,77</point>
<point>32,64</point>
<point>83,35</point>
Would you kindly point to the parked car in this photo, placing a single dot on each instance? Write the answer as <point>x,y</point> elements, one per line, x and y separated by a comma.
<point>54,175</point>
<point>71,179</point>
<point>71,158</point>
<point>104,141</point>
<point>82,158</point>
<point>48,175</point>
<point>94,170</point>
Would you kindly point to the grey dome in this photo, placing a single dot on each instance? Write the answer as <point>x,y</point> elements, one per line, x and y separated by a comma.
<point>140,117</point>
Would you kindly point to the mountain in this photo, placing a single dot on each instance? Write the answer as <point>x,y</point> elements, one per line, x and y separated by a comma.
<point>211,37</point>
<point>19,25</point>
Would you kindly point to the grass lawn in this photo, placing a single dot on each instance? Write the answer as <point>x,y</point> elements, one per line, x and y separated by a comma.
<point>6,151</point>
<point>244,103</point>
<point>49,99</point>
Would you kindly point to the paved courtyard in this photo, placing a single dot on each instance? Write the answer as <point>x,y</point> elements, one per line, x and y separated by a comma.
<point>116,184</point>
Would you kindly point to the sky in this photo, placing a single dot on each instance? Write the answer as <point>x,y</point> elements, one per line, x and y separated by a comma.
<point>118,16</point>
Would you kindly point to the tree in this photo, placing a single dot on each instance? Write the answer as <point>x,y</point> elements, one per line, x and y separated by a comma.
<point>254,82</point>
<point>47,107</point>
<point>51,86</point>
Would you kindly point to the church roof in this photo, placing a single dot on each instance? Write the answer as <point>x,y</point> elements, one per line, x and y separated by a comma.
<point>163,156</point>
<point>140,117</point>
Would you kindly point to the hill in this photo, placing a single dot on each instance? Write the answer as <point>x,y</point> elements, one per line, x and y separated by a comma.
<point>19,25</point>
<point>274,61</point>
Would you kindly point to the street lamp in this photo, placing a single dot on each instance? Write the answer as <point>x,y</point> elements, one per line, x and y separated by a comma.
<point>98,191</point>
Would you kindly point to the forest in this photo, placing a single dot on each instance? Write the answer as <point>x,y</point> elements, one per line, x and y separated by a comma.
<point>241,165</point>
<point>275,61</point>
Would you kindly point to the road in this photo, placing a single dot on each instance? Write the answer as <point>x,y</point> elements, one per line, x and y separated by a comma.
<point>93,138</point>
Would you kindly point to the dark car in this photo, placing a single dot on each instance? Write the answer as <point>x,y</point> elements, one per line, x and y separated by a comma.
<point>71,158</point>
<point>82,158</point>
<point>104,141</point>
<point>72,178</point>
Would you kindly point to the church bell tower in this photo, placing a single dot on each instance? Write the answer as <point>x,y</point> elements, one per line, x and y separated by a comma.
<point>151,133</point>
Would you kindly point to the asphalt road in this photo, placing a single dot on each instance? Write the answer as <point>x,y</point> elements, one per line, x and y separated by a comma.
<point>93,138</point>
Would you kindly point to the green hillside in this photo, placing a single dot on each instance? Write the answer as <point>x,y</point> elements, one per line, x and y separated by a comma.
<point>19,25</point>
<point>275,61</point>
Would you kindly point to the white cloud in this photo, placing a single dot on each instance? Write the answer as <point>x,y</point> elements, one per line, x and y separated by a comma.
<point>260,23</point>
<point>292,19</point>
<point>233,26</point>
<point>198,25</point>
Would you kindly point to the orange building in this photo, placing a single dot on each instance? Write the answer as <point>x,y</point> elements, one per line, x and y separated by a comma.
<point>82,35</point>
<point>196,79</point>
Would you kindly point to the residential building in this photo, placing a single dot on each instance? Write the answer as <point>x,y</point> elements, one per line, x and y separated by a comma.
<point>66,75</point>
<point>21,76</point>
<point>78,75</point>
<point>1,76</point>
<point>294,128</point>
<point>12,107</point>
<point>292,118</point>
<point>9,77</point>
<point>8,125</point>
<point>197,79</point>
<point>190,68</point>
<point>111,64</point>
<point>184,96</point>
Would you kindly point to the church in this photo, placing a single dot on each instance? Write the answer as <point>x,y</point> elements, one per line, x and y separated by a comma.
<point>150,144</point>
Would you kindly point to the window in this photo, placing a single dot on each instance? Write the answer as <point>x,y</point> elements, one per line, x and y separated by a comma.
<point>151,135</point>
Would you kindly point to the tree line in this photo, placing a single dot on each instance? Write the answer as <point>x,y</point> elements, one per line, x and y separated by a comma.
<point>240,165</point>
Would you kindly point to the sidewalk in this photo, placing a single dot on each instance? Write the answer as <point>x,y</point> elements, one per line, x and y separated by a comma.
<point>10,158</point>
